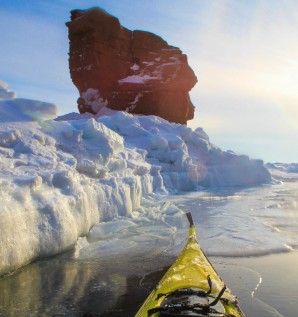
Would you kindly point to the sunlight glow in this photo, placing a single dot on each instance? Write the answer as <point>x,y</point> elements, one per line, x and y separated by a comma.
<point>244,54</point>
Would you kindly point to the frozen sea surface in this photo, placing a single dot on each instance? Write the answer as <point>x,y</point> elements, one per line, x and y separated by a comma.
<point>111,274</point>
<point>230,223</point>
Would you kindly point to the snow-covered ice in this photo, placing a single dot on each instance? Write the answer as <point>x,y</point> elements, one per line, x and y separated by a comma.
<point>5,92</point>
<point>64,176</point>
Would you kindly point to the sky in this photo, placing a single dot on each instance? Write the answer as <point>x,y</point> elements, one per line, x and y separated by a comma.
<point>244,53</point>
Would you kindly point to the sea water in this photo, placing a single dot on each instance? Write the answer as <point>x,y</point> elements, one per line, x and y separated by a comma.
<point>250,236</point>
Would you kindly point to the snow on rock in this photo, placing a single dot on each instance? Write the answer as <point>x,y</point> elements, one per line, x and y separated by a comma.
<point>93,99</point>
<point>61,177</point>
<point>136,79</point>
<point>111,65</point>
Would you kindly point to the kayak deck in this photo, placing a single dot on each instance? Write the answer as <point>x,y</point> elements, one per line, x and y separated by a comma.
<point>191,274</point>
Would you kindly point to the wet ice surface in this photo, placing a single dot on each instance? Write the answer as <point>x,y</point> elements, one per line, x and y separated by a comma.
<point>110,271</point>
<point>247,222</point>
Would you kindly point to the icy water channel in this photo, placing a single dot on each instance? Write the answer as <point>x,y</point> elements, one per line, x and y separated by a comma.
<point>250,236</point>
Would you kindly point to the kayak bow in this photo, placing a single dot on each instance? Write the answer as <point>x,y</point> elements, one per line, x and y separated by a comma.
<point>191,287</point>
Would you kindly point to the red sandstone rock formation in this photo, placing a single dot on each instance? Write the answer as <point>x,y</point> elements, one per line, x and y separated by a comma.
<point>133,71</point>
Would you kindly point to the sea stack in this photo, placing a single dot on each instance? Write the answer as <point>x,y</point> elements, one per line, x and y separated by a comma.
<point>133,71</point>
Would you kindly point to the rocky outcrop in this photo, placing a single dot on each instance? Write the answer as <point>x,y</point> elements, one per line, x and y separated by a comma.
<point>133,71</point>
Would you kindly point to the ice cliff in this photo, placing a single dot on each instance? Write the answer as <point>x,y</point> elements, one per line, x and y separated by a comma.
<point>62,175</point>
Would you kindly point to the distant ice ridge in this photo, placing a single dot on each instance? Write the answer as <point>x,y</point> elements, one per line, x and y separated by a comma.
<point>5,92</point>
<point>61,177</point>
<point>284,167</point>
<point>283,172</point>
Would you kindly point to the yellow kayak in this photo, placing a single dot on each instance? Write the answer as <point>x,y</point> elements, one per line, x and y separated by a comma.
<point>191,287</point>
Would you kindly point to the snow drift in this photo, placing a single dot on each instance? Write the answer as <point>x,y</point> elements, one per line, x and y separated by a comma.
<point>61,176</point>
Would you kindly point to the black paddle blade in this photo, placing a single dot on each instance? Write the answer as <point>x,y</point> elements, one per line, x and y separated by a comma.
<point>189,217</point>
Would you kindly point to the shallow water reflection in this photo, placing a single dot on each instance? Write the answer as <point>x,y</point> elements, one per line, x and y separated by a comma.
<point>62,286</point>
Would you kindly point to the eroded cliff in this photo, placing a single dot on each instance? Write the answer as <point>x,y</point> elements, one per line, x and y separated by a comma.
<point>133,71</point>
